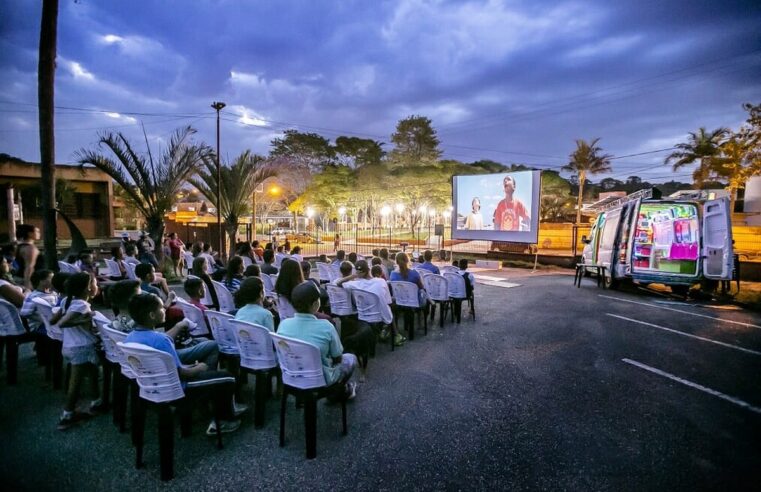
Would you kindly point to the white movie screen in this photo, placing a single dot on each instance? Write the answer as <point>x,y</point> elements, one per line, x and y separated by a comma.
<point>497,207</point>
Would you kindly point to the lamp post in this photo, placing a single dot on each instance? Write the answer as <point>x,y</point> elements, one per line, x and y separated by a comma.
<point>431,218</point>
<point>341,218</point>
<point>218,107</point>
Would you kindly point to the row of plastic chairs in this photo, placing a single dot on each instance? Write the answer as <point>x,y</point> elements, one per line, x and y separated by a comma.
<point>259,351</point>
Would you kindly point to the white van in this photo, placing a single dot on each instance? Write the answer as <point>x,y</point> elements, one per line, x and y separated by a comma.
<point>676,242</point>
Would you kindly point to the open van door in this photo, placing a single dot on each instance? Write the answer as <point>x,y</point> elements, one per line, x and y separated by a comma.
<point>718,259</point>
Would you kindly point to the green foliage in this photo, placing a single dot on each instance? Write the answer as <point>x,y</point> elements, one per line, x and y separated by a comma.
<point>237,186</point>
<point>308,150</point>
<point>357,152</point>
<point>149,184</point>
<point>587,159</point>
<point>415,143</point>
<point>489,167</point>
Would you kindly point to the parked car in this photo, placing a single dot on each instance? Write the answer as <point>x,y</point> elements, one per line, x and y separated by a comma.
<point>281,233</point>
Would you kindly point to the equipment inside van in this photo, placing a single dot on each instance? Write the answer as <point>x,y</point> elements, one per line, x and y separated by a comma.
<point>673,241</point>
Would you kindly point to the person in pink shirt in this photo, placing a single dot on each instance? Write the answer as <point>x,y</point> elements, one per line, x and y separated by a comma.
<point>196,291</point>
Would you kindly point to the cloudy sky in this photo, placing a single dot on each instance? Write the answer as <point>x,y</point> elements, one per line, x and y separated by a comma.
<point>511,81</point>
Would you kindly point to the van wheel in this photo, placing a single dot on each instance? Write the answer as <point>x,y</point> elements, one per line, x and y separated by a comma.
<point>680,290</point>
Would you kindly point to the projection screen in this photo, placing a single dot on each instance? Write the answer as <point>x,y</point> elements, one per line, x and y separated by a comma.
<point>497,207</point>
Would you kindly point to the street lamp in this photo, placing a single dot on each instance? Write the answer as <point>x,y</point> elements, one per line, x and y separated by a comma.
<point>421,211</point>
<point>341,217</point>
<point>218,107</point>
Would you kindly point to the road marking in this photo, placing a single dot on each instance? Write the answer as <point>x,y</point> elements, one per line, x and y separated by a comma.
<point>683,312</point>
<point>506,285</point>
<point>697,386</point>
<point>728,345</point>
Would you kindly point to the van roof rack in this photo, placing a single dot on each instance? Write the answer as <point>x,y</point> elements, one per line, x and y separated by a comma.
<point>613,202</point>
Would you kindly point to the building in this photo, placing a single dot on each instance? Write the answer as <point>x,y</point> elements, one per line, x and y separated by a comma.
<point>85,195</point>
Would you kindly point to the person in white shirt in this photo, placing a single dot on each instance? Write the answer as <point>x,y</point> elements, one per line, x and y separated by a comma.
<point>42,281</point>
<point>130,252</point>
<point>79,339</point>
<point>362,280</point>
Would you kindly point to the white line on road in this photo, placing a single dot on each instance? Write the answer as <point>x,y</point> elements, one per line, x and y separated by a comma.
<point>697,386</point>
<point>728,345</point>
<point>506,285</point>
<point>487,277</point>
<point>683,312</point>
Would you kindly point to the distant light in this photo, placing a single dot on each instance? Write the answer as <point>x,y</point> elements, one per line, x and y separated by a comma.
<point>310,212</point>
<point>432,213</point>
<point>385,210</point>
<point>341,210</point>
<point>422,209</point>
<point>399,208</point>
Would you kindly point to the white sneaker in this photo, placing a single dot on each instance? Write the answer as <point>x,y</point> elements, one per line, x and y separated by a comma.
<point>225,426</point>
<point>239,409</point>
<point>351,390</point>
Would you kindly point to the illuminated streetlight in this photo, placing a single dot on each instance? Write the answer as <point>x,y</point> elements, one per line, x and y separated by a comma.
<point>342,211</point>
<point>399,208</point>
<point>385,210</point>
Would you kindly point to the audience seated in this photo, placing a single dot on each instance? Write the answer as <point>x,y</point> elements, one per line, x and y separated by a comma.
<point>130,254</point>
<point>199,378</point>
<point>353,258</point>
<point>42,282</point>
<point>337,367</point>
<point>258,250</point>
<point>248,300</point>
<point>390,265</point>
<point>146,274</point>
<point>200,270</point>
<point>269,259</point>
<point>121,293</point>
<point>252,271</point>
<point>427,263</point>
<point>363,280</point>
<point>376,261</point>
<point>8,290</point>
<point>196,290</point>
<point>296,254</point>
<point>340,257</point>
<point>117,255</point>
<point>346,269</point>
<point>234,273</point>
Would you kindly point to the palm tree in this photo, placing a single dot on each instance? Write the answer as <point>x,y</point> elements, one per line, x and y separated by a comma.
<point>238,184</point>
<point>734,164</point>
<point>701,147</point>
<point>586,159</point>
<point>149,184</point>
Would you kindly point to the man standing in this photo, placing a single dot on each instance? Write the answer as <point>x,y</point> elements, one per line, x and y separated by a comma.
<point>511,214</point>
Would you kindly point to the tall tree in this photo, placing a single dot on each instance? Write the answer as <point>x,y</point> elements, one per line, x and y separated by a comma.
<point>356,152</point>
<point>239,181</point>
<point>415,142</point>
<point>151,184</point>
<point>701,147</point>
<point>309,150</point>
<point>587,159</point>
<point>46,104</point>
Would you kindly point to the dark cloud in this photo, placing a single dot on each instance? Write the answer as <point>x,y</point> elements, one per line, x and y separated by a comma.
<point>495,77</point>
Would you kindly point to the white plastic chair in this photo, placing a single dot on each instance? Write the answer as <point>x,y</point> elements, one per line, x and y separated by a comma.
<point>340,301</point>
<point>323,271</point>
<point>125,380</point>
<point>301,365</point>
<point>113,268</point>
<point>195,316</point>
<point>246,261</point>
<point>284,308</point>
<point>335,272</point>
<point>67,267</point>
<point>258,356</point>
<point>457,294</point>
<point>424,273</point>
<point>437,288</point>
<point>130,267</point>
<point>55,334</point>
<point>222,331</point>
<point>279,257</point>
<point>449,269</point>
<point>188,256</point>
<point>12,334</point>
<point>160,384</point>
<point>407,296</point>
<point>224,296</point>
<point>369,310</point>
<point>269,284</point>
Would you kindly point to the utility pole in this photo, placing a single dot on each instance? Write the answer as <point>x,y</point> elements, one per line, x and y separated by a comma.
<point>218,107</point>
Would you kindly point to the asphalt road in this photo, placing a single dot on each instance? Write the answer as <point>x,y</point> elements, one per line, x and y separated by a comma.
<point>553,387</point>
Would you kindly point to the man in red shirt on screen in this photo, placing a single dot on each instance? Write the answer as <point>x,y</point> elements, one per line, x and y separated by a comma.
<point>511,214</point>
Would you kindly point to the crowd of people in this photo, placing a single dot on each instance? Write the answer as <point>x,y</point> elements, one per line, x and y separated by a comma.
<point>144,307</point>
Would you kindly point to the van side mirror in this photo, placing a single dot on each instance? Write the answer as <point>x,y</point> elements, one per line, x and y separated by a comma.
<point>585,240</point>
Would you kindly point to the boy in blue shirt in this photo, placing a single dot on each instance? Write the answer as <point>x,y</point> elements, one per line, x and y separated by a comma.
<point>147,311</point>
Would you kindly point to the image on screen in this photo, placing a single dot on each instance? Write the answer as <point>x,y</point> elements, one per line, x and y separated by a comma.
<point>497,207</point>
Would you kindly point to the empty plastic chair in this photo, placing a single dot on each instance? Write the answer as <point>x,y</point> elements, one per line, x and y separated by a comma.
<point>407,299</point>
<point>340,301</point>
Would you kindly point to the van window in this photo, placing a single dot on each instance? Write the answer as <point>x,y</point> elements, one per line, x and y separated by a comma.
<point>666,239</point>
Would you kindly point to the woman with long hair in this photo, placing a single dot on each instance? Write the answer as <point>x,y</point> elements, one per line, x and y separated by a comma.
<point>234,274</point>
<point>199,270</point>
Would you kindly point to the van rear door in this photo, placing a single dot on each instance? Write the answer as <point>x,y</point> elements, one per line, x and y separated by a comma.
<point>718,259</point>
<point>609,238</point>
